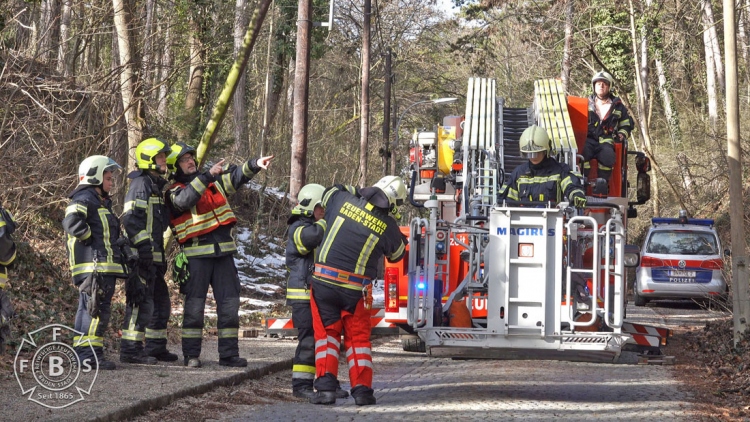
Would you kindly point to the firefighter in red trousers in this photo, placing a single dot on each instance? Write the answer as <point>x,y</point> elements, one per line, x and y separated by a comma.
<point>306,231</point>
<point>360,231</point>
<point>203,223</point>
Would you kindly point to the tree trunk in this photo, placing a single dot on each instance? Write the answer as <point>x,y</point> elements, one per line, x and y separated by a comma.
<point>297,175</point>
<point>127,85</point>
<point>63,55</point>
<point>165,68</point>
<point>147,78</point>
<point>365,116</point>
<point>238,106</point>
<point>227,92</point>
<point>565,73</point>
<point>670,113</point>
<point>46,22</point>
<point>194,97</point>
<point>709,25</point>
<point>713,108</point>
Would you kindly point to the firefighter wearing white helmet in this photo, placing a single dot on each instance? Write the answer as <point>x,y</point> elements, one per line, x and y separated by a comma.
<point>305,232</point>
<point>542,178</point>
<point>145,218</point>
<point>609,123</point>
<point>360,231</point>
<point>92,231</point>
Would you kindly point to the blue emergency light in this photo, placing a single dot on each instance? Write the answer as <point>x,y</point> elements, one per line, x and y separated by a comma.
<point>697,221</point>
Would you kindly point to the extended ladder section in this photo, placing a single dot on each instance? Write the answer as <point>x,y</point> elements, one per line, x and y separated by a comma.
<point>551,112</point>
<point>479,156</point>
<point>514,122</point>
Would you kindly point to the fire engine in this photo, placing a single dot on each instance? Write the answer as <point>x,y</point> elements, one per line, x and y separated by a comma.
<point>515,280</point>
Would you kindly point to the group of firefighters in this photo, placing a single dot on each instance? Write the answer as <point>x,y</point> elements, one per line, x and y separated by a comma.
<point>336,238</point>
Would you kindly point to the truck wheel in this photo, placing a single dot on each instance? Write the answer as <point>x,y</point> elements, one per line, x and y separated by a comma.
<point>638,299</point>
<point>412,343</point>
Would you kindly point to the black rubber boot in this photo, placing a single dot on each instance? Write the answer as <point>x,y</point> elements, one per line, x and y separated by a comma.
<point>324,397</point>
<point>234,361</point>
<point>364,400</point>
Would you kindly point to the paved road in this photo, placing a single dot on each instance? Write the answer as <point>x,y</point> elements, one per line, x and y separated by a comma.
<point>414,387</point>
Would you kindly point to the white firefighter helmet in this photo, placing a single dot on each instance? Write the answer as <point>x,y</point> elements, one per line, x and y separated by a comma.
<point>91,171</point>
<point>308,198</point>
<point>603,76</point>
<point>394,188</point>
<point>534,139</point>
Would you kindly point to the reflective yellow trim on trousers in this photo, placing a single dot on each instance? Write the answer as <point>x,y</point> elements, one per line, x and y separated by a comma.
<point>303,369</point>
<point>131,333</point>
<point>192,332</point>
<point>11,259</point>
<point>80,341</point>
<point>229,332</point>
<point>156,334</point>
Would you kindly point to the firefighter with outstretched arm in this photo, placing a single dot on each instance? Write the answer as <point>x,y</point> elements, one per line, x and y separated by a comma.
<point>203,222</point>
<point>361,229</point>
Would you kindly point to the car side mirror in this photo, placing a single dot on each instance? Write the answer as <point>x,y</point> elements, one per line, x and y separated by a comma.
<point>643,188</point>
<point>632,212</point>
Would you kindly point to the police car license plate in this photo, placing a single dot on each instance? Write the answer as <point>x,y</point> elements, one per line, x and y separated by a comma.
<point>681,273</point>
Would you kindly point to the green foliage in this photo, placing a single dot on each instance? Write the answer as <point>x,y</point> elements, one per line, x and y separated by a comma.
<point>614,45</point>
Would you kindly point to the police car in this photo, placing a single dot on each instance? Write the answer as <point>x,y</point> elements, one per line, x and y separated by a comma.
<point>680,259</point>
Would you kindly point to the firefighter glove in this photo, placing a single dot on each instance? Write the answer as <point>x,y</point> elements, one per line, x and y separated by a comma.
<point>180,273</point>
<point>145,257</point>
<point>579,201</point>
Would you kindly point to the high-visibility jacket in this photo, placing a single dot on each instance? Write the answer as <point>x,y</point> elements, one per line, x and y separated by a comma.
<point>7,245</point>
<point>145,216</point>
<point>617,121</point>
<point>546,181</point>
<point>89,215</point>
<point>200,214</point>
<point>358,235</point>
<point>303,236</point>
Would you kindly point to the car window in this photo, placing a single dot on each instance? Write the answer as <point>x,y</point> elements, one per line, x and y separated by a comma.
<point>682,242</point>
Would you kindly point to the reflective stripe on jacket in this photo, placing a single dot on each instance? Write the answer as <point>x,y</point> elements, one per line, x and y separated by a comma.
<point>89,215</point>
<point>358,235</point>
<point>616,121</point>
<point>145,216</point>
<point>303,236</point>
<point>546,181</point>
<point>200,214</point>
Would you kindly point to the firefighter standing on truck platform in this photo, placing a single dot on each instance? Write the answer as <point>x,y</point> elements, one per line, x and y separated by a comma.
<point>145,218</point>
<point>541,178</point>
<point>7,256</point>
<point>306,231</point>
<point>360,231</point>
<point>93,231</point>
<point>609,122</point>
<point>203,223</point>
